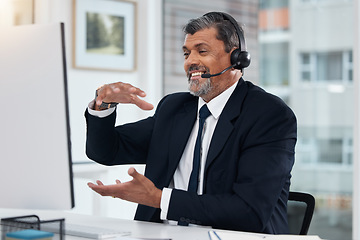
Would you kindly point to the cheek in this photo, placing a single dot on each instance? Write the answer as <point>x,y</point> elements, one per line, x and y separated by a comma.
<point>186,68</point>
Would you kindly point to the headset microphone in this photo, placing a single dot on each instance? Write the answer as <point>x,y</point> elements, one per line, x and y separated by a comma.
<point>208,75</point>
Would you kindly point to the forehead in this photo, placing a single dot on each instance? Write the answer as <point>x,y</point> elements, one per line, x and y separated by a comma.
<point>205,37</point>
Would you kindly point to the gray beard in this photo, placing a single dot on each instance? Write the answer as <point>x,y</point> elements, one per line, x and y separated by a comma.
<point>204,89</point>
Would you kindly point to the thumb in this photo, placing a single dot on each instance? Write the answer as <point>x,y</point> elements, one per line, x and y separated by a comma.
<point>133,173</point>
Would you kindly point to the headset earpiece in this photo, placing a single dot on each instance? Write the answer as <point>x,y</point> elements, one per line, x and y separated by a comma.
<point>241,59</point>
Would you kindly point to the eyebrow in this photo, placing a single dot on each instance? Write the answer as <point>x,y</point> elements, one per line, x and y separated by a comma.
<point>196,46</point>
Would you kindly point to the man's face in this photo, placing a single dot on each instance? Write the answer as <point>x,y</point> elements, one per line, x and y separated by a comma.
<point>204,53</point>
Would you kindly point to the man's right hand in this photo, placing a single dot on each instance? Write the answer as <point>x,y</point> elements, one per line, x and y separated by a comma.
<point>122,93</point>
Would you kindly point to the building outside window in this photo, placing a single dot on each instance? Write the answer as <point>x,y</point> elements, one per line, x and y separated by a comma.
<point>306,58</point>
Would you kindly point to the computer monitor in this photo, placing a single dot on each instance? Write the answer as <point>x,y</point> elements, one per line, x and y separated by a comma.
<point>35,148</point>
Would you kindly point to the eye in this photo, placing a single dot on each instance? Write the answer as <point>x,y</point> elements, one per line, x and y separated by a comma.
<point>186,55</point>
<point>202,52</point>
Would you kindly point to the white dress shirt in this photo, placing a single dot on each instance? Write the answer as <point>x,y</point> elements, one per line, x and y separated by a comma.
<point>183,171</point>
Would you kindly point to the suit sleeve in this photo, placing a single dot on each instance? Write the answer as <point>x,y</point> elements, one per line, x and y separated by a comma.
<point>264,150</point>
<point>125,144</point>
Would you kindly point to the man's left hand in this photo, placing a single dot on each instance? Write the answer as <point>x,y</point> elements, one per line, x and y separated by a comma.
<point>139,190</point>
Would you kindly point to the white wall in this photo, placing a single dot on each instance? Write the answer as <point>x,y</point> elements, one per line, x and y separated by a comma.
<point>82,85</point>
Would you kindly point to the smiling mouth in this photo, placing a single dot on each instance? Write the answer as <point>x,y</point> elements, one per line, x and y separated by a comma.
<point>196,75</point>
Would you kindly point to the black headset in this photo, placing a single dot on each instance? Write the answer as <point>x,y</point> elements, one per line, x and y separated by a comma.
<point>239,58</point>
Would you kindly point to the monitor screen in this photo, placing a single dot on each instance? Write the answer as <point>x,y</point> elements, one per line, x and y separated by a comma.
<point>35,149</point>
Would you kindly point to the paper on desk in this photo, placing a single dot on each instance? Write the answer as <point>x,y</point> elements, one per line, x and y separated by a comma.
<point>216,235</point>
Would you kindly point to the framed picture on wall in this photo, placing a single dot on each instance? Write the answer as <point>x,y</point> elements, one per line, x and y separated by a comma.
<point>104,35</point>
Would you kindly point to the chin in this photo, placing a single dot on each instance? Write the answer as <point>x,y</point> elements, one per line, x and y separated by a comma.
<point>198,88</point>
<point>195,93</point>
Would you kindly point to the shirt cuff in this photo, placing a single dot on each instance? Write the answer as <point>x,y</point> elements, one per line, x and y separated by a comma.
<point>100,114</point>
<point>164,203</point>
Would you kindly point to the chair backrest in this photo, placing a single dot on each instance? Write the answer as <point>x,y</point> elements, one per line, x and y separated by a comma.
<point>300,211</point>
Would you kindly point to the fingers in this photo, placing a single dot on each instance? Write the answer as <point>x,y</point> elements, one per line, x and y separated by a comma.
<point>105,93</point>
<point>139,190</point>
<point>94,187</point>
<point>99,183</point>
<point>122,93</point>
<point>101,189</point>
<point>141,103</point>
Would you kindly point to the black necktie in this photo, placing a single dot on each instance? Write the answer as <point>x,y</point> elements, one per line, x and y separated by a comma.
<point>194,177</point>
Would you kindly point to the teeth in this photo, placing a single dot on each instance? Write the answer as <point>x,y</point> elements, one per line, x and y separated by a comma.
<point>196,74</point>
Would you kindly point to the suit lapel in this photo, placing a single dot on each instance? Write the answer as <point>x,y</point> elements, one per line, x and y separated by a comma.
<point>183,123</point>
<point>225,125</point>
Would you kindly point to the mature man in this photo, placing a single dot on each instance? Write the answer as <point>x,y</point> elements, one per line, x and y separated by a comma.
<point>230,169</point>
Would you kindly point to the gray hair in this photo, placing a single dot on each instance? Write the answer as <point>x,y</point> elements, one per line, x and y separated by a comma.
<point>225,29</point>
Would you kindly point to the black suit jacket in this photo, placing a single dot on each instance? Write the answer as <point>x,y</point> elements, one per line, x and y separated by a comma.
<point>247,172</point>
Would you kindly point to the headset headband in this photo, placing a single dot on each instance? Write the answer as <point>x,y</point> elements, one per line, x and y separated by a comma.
<point>239,33</point>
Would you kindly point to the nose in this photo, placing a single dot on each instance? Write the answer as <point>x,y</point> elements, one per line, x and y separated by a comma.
<point>191,60</point>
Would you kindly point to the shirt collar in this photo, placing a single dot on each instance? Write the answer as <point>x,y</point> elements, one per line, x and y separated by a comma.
<point>217,104</point>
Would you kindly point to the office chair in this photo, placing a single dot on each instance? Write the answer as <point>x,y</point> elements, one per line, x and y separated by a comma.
<point>300,211</point>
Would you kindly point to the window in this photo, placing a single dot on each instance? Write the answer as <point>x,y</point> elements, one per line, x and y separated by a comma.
<point>306,66</point>
<point>266,4</point>
<point>329,66</point>
<point>317,151</point>
<point>274,62</point>
<point>312,71</point>
<point>326,66</point>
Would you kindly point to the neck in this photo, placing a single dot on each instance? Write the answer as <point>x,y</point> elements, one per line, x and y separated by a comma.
<point>224,82</point>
